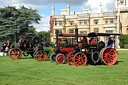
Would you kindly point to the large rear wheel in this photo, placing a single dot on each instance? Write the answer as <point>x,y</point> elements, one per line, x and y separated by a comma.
<point>41,55</point>
<point>108,56</point>
<point>80,59</point>
<point>15,53</point>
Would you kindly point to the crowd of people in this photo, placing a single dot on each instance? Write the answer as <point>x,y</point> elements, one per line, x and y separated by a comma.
<point>92,41</point>
<point>5,47</point>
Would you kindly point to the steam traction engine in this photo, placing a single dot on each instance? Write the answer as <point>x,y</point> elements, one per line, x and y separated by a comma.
<point>43,51</point>
<point>22,46</point>
<point>93,52</point>
<point>63,50</point>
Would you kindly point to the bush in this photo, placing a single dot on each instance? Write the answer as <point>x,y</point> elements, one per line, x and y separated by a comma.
<point>123,40</point>
<point>126,46</point>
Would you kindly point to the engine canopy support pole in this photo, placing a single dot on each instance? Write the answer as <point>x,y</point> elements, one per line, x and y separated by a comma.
<point>15,36</point>
<point>40,39</point>
<point>76,34</point>
<point>57,34</point>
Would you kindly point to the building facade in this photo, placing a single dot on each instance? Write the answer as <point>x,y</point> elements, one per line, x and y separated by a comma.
<point>115,21</point>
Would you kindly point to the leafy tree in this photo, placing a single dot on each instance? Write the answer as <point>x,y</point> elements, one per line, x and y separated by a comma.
<point>123,40</point>
<point>44,33</point>
<point>19,20</point>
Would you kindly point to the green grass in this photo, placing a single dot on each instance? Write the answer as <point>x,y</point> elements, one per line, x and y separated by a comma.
<point>27,71</point>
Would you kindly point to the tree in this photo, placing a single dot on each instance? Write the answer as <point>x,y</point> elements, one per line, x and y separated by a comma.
<point>44,33</point>
<point>19,20</point>
<point>123,40</point>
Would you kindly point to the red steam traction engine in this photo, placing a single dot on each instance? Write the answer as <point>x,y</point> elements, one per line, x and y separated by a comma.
<point>61,52</point>
<point>93,52</point>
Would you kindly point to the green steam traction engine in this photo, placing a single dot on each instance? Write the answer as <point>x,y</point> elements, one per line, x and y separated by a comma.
<point>43,51</point>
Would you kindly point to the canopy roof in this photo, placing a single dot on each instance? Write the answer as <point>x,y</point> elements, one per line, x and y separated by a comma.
<point>72,35</point>
<point>93,34</point>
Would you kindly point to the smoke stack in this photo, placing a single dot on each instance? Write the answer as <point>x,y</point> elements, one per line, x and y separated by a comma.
<point>76,34</point>
<point>68,9</point>
<point>57,34</point>
<point>40,39</point>
<point>53,10</point>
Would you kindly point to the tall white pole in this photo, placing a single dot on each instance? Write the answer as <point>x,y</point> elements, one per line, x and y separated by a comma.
<point>118,25</point>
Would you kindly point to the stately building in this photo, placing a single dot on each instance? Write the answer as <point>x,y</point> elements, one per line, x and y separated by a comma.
<point>115,21</point>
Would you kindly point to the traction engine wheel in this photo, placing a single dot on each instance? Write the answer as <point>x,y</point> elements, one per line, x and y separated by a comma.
<point>70,58</point>
<point>80,59</point>
<point>60,58</point>
<point>34,55</point>
<point>41,55</point>
<point>15,53</point>
<point>53,57</point>
<point>95,57</point>
<point>108,56</point>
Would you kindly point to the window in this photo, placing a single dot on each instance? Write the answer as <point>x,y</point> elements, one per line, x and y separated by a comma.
<point>71,30</point>
<point>96,29</point>
<point>111,21</point>
<point>58,23</point>
<point>109,31</point>
<point>85,21</point>
<point>83,32</point>
<point>95,22</point>
<point>71,23</point>
<point>80,22</point>
<point>60,31</point>
<point>108,21</point>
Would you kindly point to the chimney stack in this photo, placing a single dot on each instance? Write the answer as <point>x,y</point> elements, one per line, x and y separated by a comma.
<point>68,9</point>
<point>100,7</point>
<point>85,11</point>
<point>73,12</point>
<point>53,10</point>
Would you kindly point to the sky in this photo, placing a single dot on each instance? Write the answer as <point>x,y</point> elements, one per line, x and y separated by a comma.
<point>44,8</point>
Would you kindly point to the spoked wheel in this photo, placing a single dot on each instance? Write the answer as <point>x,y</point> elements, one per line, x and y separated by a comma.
<point>53,57</point>
<point>95,57</point>
<point>108,56</point>
<point>41,55</point>
<point>80,59</point>
<point>60,58</point>
<point>15,53</point>
<point>70,58</point>
<point>34,55</point>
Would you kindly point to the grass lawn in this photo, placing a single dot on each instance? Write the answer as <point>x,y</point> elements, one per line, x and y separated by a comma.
<point>27,71</point>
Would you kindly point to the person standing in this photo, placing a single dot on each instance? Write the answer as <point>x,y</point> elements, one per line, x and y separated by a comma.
<point>6,49</point>
<point>92,41</point>
<point>110,42</point>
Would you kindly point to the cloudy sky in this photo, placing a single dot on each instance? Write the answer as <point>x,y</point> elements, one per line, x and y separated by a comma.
<point>44,7</point>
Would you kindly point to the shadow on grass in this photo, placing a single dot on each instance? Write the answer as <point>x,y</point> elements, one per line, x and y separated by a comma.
<point>117,62</point>
<point>91,63</point>
<point>26,58</point>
